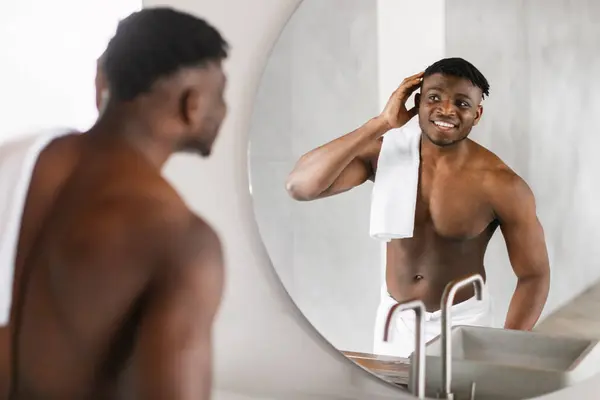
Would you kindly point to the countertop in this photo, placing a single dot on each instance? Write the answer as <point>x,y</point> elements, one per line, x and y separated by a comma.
<point>392,369</point>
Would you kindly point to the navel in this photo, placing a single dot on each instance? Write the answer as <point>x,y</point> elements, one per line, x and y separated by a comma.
<point>418,278</point>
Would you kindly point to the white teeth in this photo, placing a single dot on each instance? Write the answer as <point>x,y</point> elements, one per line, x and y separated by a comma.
<point>444,124</point>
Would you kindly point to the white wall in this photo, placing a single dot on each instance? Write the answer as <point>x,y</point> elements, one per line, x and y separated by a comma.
<point>48,60</point>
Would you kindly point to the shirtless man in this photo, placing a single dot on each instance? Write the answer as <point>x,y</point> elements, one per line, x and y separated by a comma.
<point>117,281</point>
<point>465,192</point>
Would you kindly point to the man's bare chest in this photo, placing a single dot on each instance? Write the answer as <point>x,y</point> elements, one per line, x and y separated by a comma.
<point>452,205</point>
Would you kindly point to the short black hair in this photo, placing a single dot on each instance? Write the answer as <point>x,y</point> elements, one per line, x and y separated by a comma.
<point>155,43</point>
<point>460,68</point>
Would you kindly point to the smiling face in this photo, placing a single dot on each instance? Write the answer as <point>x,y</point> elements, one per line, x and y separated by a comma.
<point>449,107</point>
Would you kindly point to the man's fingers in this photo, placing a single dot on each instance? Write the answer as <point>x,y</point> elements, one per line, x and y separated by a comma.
<point>410,83</point>
<point>415,76</point>
<point>419,76</point>
<point>408,86</point>
<point>406,90</point>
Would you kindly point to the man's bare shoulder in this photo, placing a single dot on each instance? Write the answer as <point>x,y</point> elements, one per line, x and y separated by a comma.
<point>507,187</point>
<point>182,231</point>
<point>144,198</point>
<point>169,213</point>
<point>491,166</point>
<point>503,185</point>
<point>139,206</point>
<point>180,238</point>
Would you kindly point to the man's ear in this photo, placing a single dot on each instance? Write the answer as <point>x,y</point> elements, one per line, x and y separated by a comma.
<point>101,86</point>
<point>187,106</point>
<point>190,108</point>
<point>103,102</point>
<point>479,114</point>
<point>417,99</point>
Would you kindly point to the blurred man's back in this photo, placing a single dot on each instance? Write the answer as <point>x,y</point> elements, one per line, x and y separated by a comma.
<point>117,282</point>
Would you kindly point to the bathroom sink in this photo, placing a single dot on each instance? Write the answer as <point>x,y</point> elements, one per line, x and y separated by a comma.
<point>507,364</point>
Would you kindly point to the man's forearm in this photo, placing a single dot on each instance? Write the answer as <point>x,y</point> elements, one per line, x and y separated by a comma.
<point>319,168</point>
<point>527,302</point>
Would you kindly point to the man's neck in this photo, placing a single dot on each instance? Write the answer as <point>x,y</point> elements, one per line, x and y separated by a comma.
<point>452,155</point>
<point>137,133</point>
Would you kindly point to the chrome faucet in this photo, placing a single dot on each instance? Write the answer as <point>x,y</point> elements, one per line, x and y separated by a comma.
<point>418,363</point>
<point>446,337</point>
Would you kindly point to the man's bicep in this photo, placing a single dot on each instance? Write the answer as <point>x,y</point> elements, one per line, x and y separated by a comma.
<point>522,230</point>
<point>355,174</point>
<point>173,358</point>
<point>526,246</point>
<point>360,170</point>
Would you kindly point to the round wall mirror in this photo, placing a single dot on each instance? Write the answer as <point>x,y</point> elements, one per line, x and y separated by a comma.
<point>430,156</point>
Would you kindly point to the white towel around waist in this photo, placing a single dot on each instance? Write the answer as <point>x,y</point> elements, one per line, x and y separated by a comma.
<point>17,162</point>
<point>401,340</point>
<point>394,196</point>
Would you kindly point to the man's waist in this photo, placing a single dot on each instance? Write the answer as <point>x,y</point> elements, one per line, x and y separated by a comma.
<point>428,288</point>
<point>465,309</point>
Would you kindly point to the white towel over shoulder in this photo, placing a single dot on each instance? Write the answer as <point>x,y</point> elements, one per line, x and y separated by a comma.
<point>394,196</point>
<point>17,161</point>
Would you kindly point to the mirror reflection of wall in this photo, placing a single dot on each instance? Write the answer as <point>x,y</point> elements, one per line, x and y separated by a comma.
<point>540,58</point>
<point>321,80</point>
<point>335,66</point>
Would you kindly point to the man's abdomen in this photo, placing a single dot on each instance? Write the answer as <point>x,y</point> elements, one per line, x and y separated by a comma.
<point>421,267</point>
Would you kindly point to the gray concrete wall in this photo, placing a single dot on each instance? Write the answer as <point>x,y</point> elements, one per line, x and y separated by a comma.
<point>320,82</point>
<point>541,59</point>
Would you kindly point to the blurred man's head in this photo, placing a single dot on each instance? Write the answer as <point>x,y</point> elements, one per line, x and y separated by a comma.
<point>165,66</point>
